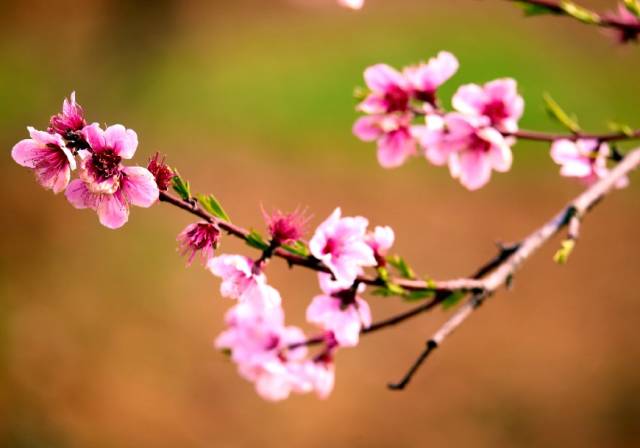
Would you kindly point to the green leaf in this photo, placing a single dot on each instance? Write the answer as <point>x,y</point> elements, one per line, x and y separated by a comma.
<point>382,292</point>
<point>383,274</point>
<point>633,6</point>
<point>536,10</point>
<point>255,240</point>
<point>621,128</point>
<point>412,296</point>
<point>452,300</point>
<point>360,93</point>
<point>401,266</point>
<point>556,112</point>
<point>212,205</point>
<point>297,248</point>
<point>181,187</point>
<point>562,255</point>
<point>580,13</point>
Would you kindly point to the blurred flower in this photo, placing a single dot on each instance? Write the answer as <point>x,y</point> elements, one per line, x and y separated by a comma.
<point>161,171</point>
<point>583,159</point>
<point>352,4</point>
<point>474,150</point>
<point>623,15</point>
<point>380,240</point>
<point>340,311</point>
<point>393,133</point>
<point>258,342</point>
<point>199,237</point>
<point>237,273</point>
<point>498,100</point>
<point>285,227</point>
<point>424,79</point>
<point>390,91</point>
<point>49,158</point>
<point>105,185</point>
<point>339,243</point>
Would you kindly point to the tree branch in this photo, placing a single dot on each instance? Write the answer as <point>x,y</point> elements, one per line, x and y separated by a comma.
<point>568,216</point>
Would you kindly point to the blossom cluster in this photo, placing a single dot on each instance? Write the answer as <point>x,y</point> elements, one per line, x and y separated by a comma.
<point>404,115</point>
<point>104,184</point>
<point>275,356</point>
<point>473,140</point>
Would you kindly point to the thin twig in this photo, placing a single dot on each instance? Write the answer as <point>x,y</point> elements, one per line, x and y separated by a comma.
<point>602,20</point>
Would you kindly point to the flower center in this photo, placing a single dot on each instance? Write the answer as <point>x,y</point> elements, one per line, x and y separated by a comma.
<point>106,163</point>
<point>496,111</point>
<point>396,99</point>
<point>479,144</point>
<point>329,247</point>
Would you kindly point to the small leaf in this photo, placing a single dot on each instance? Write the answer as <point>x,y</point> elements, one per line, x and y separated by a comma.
<point>452,300</point>
<point>621,128</point>
<point>255,240</point>
<point>181,187</point>
<point>212,205</point>
<point>396,290</point>
<point>556,112</point>
<point>580,13</point>
<point>382,292</point>
<point>633,6</point>
<point>401,266</point>
<point>360,93</point>
<point>420,294</point>
<point>297,248</point>
<point>562,255</point>
<point>383,274</point>
<point>537,10</point>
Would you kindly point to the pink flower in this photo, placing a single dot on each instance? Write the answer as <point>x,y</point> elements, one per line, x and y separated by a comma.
<point>351,4</point>
<point>237,273</point>
<point>285,227</point>
<point>258,343</point>
<point>199,237</point>
<point>380,240</point>
<point>49,158</point>
<point>498,100</point>
<point>107,186</point>
<point>161,172</point>
<point>474,150</point>
<point>390,91</point>
<point>340,244</point>
<point>424,79</point>
<point>70,123</point>
<point>583,159</point>
<point>393,133</point>
<point>340,311</point>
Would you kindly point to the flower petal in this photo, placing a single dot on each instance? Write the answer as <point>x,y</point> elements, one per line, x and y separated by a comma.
<point>113,210</point>
<point>139,186</point>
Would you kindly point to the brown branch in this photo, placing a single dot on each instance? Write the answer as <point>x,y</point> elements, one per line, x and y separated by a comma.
<point>569,216</point>
<point>446,286</point>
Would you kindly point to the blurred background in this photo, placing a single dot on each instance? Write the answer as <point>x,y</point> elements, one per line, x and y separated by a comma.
<point>105,336</point>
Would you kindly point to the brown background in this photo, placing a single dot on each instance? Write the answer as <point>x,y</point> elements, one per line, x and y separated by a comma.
<point>105,338</point>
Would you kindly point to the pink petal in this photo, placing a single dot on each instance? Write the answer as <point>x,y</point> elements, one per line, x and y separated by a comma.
<point>94,135</point>
<point>380,77</point>
<point>123,141</point>
<point>469,99</point>
<point>139,186</point>
<point>473,168</point>
<point>25,152</point>
<point>394,148</point>
<point>502,89</point>
<point>500,154</point>
<point>113,211</point>
<point>367,129</point>
<point>373,104</point>
<point>79,195</point>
